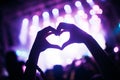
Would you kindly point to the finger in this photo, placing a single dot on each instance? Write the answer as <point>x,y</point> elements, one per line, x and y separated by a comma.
<point>55,46</point>
<point>67,43</point>
<point>46,31</point>
<point>66,27</point>
<point>62,26</point>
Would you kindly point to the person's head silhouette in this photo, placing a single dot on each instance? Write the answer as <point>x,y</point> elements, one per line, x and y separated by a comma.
<point>14,67</point>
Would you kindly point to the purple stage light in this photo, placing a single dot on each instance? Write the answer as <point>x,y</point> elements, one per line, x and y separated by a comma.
<point>116,49</point>
<point>67,9</point>
<point>55,12</point>
<point>23,32</point>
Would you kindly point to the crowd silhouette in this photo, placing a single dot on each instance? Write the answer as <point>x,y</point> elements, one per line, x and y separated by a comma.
<point>98,67</point>
<point>14,66</point>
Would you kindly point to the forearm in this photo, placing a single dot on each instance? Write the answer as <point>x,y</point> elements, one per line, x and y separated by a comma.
<point>105,64</point>
<point>30,72</point>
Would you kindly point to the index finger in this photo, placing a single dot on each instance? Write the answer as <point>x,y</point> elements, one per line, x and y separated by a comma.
<point>63,26</point>
<point>66,26</point>
<point>47,31</point>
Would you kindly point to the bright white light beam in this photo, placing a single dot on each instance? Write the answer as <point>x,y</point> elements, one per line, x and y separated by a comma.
<point>67,9</point>
<point>90,2</point>
<point>45,15</point>
<point>78,5</point>
<point>55,12</point>
<point>23,31</point>
<point>35,20</point>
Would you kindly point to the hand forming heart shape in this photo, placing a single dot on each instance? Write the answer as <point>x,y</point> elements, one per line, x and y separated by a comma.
<point>58,39</point>
<point>66,34</point>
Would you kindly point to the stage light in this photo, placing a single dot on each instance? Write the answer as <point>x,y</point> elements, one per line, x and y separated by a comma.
<point>81,20</point>
<point>81,12</point>
<point>119,25</point>
<point>95,23</point>
<point>78,63</point>
<point>46,23</point>
<point>33,29</point>
<point>53,56</point>
<point>35,20</point>
<point>24,31</point>
<point>116,49</point>
<point>55,12</point>
<point>91,3</point>
<point>92,12</point>
<point>96,7</point>
<point>69,19</point>
<point>78,5</point>
<point>22,54</point>
<point>100,11</point>
<point>95,20</point>
<point>45,15</point>
<point>46,19</point>
<point>25,22</point>
<point>59,19</point>
<point>67,9</point>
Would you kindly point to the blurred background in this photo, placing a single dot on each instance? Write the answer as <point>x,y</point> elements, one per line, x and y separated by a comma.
<point>20,20</point>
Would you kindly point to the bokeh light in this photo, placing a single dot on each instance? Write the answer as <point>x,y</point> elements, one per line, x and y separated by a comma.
<point>116,49</point>
<point>67,9</point>
<point>24,31</point>
<point>89,22</point>
<point>55,12</point>
<point>78,5</point>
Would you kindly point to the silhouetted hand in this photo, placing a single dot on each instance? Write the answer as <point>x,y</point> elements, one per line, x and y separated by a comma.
<point>40,44</point>
<point>107,67</point>
<point>76,34</point>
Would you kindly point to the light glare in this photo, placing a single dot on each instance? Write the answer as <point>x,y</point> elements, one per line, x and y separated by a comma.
<point>45,15</point>
<point>69,19</point>
<point>35,20</point>
<point>91,3</point>
<point>78,63</point>
<point>78,4</point>
<point>24,31</point>
<point>92,12</point>
<point>116,49</point>
<point>55,12</point>
<point>67,9</point>
<point>96,7</point>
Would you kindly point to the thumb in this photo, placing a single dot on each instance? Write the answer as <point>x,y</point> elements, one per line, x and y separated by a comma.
<point>55,46</point>
<point>66,44</point>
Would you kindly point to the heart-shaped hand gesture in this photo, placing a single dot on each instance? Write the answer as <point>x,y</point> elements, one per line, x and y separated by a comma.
<point>40,43</point>
<point>76,35</point>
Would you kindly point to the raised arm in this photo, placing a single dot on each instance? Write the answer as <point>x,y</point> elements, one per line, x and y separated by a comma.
<point>40,44</point>
<point>106,66</point>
